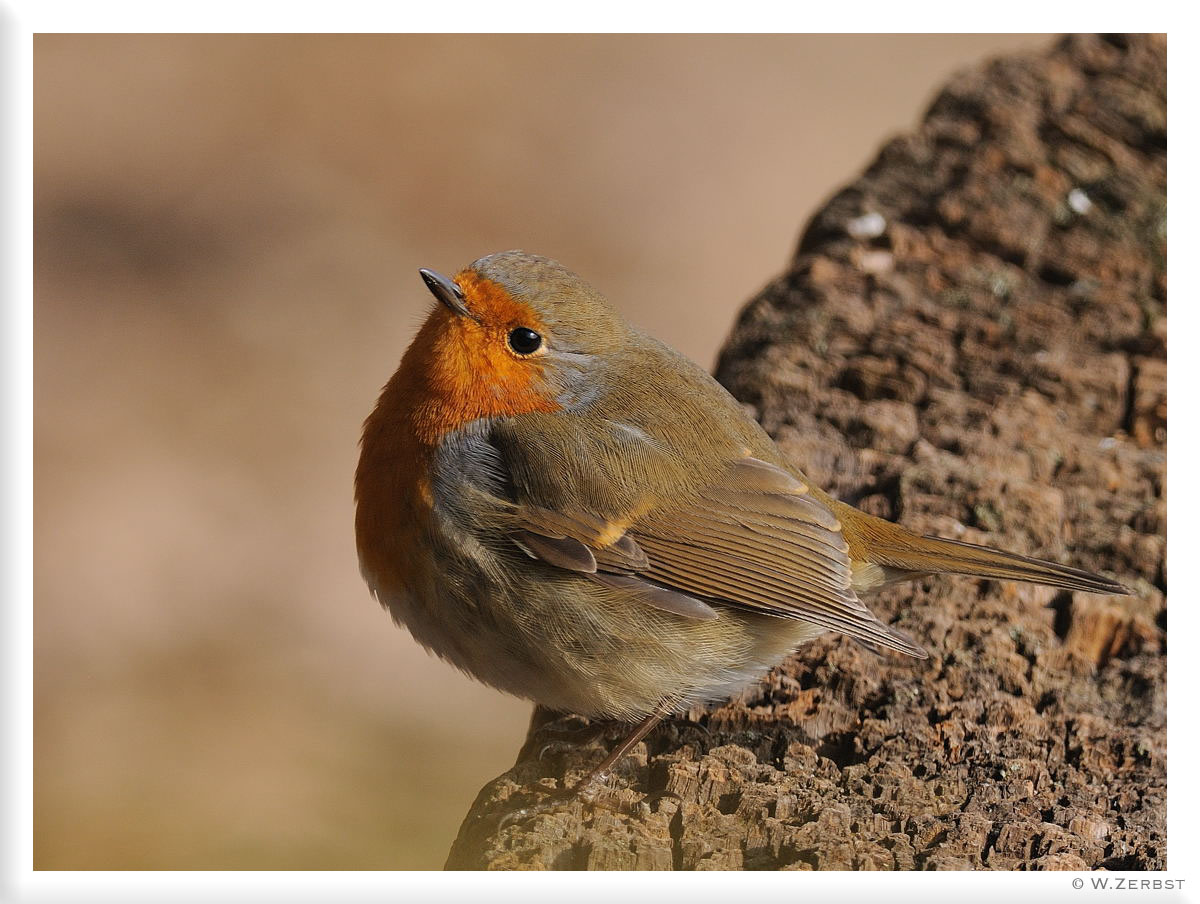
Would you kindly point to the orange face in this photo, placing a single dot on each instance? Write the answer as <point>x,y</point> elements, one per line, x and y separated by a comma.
<point>461,369</point>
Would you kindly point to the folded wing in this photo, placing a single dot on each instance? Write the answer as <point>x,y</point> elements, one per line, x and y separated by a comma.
<point>758,540</point>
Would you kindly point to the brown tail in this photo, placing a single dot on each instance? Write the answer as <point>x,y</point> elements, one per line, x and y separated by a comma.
<point>895,549</point>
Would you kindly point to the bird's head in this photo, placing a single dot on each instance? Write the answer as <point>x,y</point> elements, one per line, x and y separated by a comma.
<point>513,333</point>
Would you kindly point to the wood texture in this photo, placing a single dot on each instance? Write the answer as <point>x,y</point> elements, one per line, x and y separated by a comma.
<point>971,339</point>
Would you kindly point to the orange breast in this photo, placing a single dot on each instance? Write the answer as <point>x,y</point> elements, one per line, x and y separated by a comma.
<point>394,501</point>
<point>456,371</point>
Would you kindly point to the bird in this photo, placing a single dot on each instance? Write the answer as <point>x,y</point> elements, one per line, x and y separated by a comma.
<point>569,510</point>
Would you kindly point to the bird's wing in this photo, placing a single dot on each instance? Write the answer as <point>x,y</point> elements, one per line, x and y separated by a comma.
<point>756,540</point>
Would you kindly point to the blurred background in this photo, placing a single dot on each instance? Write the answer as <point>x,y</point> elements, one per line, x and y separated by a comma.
<point>227,233</point>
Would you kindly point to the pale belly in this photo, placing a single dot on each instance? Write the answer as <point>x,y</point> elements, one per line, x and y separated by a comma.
<point>571,645</point>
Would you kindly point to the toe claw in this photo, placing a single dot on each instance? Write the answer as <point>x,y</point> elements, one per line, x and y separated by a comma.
<point>514,817</point>
<point>655,796</point>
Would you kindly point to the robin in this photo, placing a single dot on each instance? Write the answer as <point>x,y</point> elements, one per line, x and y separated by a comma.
<point>570,511</point>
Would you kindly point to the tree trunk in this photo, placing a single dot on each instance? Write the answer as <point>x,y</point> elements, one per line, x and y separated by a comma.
<point>971,340</point>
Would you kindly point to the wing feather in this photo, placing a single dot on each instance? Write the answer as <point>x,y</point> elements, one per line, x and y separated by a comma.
<point>740,538</point>
<point>564,552</point>
<point>758,541</point>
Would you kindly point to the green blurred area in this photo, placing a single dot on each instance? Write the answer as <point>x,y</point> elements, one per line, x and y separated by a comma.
<point>227,232</point>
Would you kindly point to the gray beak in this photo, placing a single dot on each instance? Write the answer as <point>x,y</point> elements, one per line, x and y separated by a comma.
<point>445,291</point>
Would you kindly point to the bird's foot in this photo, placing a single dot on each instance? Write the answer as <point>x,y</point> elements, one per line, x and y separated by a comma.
<point>570,740</point>
<point>590,792</point>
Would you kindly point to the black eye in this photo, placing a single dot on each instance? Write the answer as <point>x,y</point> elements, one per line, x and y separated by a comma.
<point>524,341</point>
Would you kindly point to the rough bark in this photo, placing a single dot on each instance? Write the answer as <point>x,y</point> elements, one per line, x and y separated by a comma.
<point>971,340</point>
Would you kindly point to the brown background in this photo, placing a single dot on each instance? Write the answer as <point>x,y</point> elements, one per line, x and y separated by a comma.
<point>227,231</point>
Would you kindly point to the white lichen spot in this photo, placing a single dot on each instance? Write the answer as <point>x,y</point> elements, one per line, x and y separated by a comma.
<point>876,261</point>
<point>1078,201</point>
<point>1000,285</point>
<point>868,226</point>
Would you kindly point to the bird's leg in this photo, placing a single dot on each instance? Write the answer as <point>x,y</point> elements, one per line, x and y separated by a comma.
<point>585,789</point>
<point>601,772</point>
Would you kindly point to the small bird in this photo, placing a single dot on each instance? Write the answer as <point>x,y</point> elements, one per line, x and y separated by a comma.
<point>570,511</point>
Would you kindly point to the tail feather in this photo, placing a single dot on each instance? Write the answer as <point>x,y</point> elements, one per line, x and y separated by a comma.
<point>936,555</point>
<point>885,552</point>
